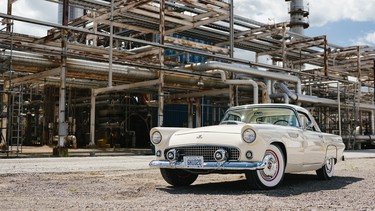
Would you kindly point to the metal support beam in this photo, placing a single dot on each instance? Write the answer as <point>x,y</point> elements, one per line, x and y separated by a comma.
<point>63,129</point>
<point>110,47</point>
<point>190,113</point>
<point>37,76</point>
<point>339,106</point>
<point>198,112</point>
<point>92,118</point>
<point>9,12</point>
<point>161,58</point>
<point>325,56</point>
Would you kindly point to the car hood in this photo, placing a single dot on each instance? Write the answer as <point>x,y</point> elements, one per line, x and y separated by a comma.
<point>219,134</point>
<point>226,135</point>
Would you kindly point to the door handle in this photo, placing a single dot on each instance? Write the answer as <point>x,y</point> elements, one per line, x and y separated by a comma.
<point>320,136</point>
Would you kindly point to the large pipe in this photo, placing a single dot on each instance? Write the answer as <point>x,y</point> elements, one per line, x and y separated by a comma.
<point>325,101</point>
<point>248,71</point>
<point>145,74</point>
<point>361,137</point>
<point>246,81</point>
<point>280,95</point>
<point>101,68</point>
<point>285,89</point>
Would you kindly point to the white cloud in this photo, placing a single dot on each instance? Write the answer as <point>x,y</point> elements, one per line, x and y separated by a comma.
<point>368,39</point>
<point>35,9</point>
<point>322,12</point>
<point>262,11</point>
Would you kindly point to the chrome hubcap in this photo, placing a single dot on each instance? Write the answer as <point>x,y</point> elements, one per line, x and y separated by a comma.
<point>272,167</point>
<point>329,165</point>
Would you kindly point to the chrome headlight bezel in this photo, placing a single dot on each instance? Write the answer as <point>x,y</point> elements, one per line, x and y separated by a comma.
<point>248,135</point>
<point>156,137</point>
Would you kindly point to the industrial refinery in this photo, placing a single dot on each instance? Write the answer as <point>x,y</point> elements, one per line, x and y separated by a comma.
<point>113,69</point>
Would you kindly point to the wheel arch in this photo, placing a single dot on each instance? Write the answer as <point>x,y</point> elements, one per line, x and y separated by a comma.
<point>283,149</point>
<point>331,152</point>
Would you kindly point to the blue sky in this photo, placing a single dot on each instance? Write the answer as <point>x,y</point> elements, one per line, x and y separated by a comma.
<point>345,32</point>
<point>345,22</point>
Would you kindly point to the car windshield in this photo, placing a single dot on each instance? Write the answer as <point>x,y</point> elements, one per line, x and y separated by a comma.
<point>265,115</point>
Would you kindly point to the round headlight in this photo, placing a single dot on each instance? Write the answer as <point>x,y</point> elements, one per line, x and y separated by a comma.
<point>156,137</point>
<point>248,135</point>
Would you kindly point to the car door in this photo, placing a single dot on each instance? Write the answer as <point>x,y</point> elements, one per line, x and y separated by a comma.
<point>314,152</point>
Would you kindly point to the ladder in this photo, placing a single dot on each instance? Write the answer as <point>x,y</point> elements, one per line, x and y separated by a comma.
<point>15,119</point>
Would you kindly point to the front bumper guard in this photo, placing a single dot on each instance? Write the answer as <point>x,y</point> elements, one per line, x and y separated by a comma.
<point>228,165</point>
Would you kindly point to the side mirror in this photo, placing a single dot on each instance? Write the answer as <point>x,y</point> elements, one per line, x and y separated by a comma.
<point>309,125</point>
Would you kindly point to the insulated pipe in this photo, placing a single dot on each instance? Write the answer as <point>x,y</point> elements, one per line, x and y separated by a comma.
<point>361,137</point>
<point>248,71</point>
<point>285,89</point>
<point>101,68</point>
<point>246,81</point>
<point>269,89</point>
<point>280,95</point>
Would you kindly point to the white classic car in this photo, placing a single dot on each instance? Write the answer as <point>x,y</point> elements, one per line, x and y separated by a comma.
<point>263,141</point>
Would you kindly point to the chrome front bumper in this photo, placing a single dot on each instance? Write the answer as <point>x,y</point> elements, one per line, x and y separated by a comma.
<point>210,165</point>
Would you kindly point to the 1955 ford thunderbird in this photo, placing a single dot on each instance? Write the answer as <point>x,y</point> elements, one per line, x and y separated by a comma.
<point>263,141</point>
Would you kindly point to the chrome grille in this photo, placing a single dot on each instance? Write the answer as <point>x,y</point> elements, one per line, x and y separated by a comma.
<point>206,151</point>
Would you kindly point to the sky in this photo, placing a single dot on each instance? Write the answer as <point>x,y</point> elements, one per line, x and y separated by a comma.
<point>345,22</point>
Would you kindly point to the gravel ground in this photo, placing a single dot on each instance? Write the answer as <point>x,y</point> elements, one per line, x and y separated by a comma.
<point>144,189</point>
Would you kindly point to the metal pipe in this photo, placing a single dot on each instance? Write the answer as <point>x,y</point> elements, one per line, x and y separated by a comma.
<point>269,89</point>
<point>62,131</point>
<point>280,95</point>
<point>231,29</point>
<point>237,82</point>
<point>248,71</point>
<point>130,39</point>
<point>101,68</point>
<point>360,137</point>
<point>286,90</point>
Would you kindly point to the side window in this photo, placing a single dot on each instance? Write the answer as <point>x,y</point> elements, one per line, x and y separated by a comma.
<point>305,121</point>
<point>234,117</point>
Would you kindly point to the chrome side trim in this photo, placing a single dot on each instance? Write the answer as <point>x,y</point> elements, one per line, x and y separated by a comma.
<point>210,165</point>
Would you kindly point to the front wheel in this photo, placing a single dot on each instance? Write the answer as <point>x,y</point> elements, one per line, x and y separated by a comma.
<point>272,175</point>
<point>178,177</point>
<point>326,172</point>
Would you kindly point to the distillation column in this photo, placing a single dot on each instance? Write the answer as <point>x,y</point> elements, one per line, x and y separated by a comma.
<point>298,16</point>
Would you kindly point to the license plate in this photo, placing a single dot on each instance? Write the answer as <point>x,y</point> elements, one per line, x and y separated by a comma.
<point>193,161</point>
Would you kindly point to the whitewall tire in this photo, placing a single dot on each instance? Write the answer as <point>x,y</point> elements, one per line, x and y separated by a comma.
<point>272,175</point>
<point>326,172</point>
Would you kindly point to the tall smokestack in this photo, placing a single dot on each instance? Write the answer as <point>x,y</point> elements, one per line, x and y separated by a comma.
<point>298,16</point>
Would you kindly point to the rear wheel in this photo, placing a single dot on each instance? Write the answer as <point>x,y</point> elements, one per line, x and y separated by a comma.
<point>326,172</point>
<point>272,175</point>
<point>177,177</point>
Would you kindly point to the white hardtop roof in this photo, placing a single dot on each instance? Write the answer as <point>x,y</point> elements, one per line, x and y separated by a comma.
<point>297,108</point>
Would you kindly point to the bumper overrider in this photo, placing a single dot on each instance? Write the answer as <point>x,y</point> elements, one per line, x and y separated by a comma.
<point>228,165</point>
